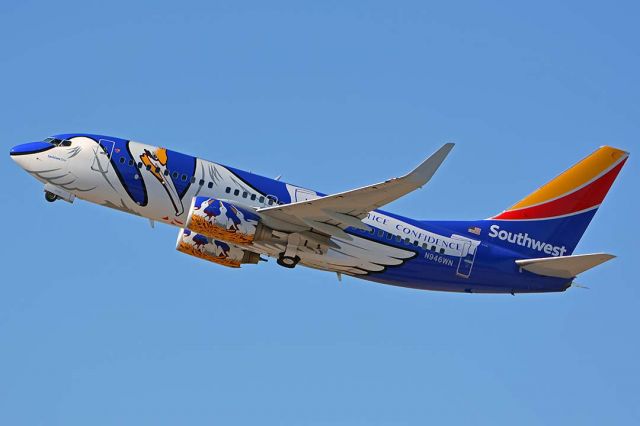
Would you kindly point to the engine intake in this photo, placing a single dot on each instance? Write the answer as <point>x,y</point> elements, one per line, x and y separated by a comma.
<point>220,252</point>
<point>222,220</point>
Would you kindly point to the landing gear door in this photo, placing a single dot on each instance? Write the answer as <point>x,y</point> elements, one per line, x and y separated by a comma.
<point>467,256</point>
<point>102,155</point>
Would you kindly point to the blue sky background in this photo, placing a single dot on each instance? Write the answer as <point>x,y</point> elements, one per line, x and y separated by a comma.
<point>103,322</point>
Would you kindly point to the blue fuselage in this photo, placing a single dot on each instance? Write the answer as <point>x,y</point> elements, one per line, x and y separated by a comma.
<point>462,256</point>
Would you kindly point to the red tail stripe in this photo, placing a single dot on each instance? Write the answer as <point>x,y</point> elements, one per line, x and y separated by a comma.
<point>587,197</point>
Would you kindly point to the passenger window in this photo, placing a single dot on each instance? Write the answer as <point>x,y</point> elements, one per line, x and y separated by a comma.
<point>148,167</point>
<point>433,248</point>
<point>166,172</point>
<point>261,199</point>
<point>415,243</point>
<point>157,169</point>
<point>139,165</point>
<point>210,185</point>
<point>236,192</point>
<point>245,194</point>
<point>193,179</point>
<point>201,182</point>
<point>228,190</point>
<point>398,238</point>
<point>441,251</point>
<point>175,175</point>
<point>122,160</point>
<point>253,197</point>
<point>407,241</point>
<point>270,201</point>
<point>130,162</point>
<point>380,233</point>
<point>184,177</point>
<point>425,246</point>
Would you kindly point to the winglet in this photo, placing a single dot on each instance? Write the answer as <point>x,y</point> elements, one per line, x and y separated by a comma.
<point>425,171</point>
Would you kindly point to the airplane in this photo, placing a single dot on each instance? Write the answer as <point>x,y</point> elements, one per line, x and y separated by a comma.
<point>232,217</point>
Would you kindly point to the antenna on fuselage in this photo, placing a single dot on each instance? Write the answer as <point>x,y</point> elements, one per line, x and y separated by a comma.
<point>584,287</point>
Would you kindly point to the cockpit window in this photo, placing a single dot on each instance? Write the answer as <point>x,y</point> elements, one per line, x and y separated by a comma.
<point>58,142</point>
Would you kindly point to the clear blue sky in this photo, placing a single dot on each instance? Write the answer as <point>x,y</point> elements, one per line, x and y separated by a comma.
<point>102,322</point>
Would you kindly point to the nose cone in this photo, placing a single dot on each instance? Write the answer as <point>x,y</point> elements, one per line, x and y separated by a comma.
<point>29,148</point>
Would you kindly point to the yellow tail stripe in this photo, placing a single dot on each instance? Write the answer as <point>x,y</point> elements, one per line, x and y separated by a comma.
<point>583,172</point>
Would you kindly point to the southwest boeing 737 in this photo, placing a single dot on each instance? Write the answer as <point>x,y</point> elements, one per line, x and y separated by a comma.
<point>232,217</point>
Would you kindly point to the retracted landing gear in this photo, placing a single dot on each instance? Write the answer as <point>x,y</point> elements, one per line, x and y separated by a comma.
<point>288,261</point>
<point>50,196</point>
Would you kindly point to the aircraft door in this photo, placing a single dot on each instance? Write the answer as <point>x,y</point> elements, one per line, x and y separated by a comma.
<point>467,256</point>
<point>302,194</point>
<point>102,155</point>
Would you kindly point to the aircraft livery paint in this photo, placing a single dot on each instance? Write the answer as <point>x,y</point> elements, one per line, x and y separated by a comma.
<point>471,256</point>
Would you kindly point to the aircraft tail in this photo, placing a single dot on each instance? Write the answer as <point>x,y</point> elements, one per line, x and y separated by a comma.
<point>551,220</point>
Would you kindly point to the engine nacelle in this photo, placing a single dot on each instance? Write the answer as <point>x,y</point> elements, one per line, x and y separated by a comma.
<point>222,220</point>
<point>219,252</point>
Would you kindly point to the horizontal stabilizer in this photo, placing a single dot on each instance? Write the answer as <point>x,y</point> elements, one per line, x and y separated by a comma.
<point>563,266</point>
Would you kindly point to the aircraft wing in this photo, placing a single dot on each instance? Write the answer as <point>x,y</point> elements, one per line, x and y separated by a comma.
<point>332,213</point>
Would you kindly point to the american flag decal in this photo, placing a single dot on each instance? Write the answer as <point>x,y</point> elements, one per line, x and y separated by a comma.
<point>475,230</point>
<point>117,150</point>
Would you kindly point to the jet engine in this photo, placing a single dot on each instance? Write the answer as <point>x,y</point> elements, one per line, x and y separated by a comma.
<point>220,252</point>
<point>222,220</point>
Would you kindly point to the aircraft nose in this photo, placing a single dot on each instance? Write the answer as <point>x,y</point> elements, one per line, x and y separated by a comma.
<point>21,153</point>
<point>29,148</point>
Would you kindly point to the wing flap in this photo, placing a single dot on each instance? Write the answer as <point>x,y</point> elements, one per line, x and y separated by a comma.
<point>564,266</point>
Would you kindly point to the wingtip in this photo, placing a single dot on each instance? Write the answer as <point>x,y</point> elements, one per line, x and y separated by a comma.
<point>443,152</point>
<point>425,170</point>
<point>445,149</point>
<point>448,146</point>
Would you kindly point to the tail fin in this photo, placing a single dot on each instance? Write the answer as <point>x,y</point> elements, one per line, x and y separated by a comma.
<point>555,216</point>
